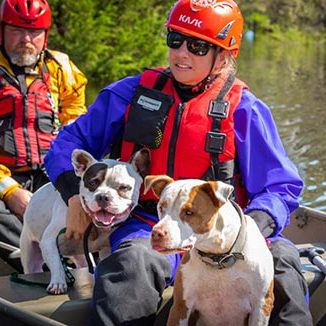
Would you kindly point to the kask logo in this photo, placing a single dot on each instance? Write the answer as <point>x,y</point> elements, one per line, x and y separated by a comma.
<point>191,21</point>
<point>203,3</point>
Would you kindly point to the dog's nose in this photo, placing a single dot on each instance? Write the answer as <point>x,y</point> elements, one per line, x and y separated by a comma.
<point>158,234</point>
<point>102,200</point>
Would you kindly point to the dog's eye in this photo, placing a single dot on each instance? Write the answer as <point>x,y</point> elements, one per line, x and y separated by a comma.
<point>189,213</point>
<point>124,188</point>
<point>92,184</point>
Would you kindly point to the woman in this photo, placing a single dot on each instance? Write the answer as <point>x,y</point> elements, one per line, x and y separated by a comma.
<point>199,122</point>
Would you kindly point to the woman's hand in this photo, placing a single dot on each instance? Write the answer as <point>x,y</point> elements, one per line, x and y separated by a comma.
<point>77,220</point>
<point>18,201</point>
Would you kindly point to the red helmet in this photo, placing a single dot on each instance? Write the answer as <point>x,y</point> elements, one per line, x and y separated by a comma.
<point>219,22</point>
<point>26,13</point>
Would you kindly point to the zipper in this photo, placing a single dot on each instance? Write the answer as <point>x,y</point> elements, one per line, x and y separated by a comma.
<point>23,90</point>
<point>174,138</point>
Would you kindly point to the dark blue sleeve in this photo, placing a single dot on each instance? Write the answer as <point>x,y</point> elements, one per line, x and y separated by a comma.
<point>94,131</point>
<point>271,179</point>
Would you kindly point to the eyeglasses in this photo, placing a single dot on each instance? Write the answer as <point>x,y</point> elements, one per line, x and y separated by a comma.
<point>21,32</point>
<point>194,45</point>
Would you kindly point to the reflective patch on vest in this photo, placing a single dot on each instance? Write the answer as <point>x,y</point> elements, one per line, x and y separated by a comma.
<point>63,59</point>
<point>5,183</point>
<point>148,103</point>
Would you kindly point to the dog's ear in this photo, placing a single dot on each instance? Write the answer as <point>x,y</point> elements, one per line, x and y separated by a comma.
<point>219,191</point>
<point>224,190</point>
<point>81,160</point>
<point>141,161</point>
<point>157,183</point>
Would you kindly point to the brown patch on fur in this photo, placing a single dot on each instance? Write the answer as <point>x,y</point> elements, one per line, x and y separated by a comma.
<point>210,188</point>
<point>157,183</point>
<point>179,309</point>
<point>200,210</point>
<point>82,161</point>
<point>269,300</point>
<point>163,204</point>
<point>246,322</point>
<point>193,318</point>
<point>142,161</point>
<point>185,258</point>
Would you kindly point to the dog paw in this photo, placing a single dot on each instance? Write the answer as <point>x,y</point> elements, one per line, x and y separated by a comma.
<point>57,288</point>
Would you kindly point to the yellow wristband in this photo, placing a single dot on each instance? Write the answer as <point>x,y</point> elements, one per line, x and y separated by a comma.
<point>10,191</point>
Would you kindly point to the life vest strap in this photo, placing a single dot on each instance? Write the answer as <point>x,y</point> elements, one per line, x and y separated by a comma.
<point>215,140</point>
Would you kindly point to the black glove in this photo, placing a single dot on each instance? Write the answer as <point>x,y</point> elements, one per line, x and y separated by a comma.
<point>264,221</point>
<point>68,185</point>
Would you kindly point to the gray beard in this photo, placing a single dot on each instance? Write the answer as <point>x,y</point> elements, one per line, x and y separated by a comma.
<point>23,60</point>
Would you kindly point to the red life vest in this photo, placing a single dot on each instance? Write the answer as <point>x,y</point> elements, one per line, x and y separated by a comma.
<point>182,153</point>
<point>28,120</point>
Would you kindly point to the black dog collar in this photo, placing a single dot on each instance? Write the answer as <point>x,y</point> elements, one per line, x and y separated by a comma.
<point>228,259</point>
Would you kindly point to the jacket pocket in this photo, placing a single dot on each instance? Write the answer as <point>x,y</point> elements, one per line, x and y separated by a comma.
<point>45,122</point>
<point>6,123</point>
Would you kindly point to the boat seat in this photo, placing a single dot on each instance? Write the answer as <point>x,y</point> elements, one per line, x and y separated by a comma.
<point>73,308</point>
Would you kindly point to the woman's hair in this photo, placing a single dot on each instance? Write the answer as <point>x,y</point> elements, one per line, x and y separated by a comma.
<point>225,63</point>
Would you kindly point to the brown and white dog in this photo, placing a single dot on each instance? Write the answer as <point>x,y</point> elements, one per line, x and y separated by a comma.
<point>109,190</point>
<point>226,273</point>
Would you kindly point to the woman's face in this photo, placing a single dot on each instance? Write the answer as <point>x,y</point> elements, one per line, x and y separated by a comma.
<point>188,68</point>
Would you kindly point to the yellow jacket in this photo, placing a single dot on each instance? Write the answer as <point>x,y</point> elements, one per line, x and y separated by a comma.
<point>67,88</point>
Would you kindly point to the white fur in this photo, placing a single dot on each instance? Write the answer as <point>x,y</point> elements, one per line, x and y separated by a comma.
<point>221,296</point>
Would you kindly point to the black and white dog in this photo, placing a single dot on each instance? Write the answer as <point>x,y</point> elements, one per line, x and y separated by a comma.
<point>109,190</point>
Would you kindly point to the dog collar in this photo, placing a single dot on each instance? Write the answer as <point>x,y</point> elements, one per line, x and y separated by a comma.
<point>228,259</point>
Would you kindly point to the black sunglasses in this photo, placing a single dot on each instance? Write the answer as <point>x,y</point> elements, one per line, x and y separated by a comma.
<point>194,45</point>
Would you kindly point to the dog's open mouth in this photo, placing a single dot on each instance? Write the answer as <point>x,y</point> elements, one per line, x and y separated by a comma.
<point>164,250</point>
<point>105,219</point>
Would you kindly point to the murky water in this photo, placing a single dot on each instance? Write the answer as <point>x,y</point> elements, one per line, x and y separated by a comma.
<point>291,79</point>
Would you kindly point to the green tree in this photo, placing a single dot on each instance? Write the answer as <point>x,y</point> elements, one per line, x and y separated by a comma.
<point>109,40</point>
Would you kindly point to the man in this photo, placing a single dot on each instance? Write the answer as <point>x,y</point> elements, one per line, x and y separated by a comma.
<point>199,121</point>
<point>40,91</point>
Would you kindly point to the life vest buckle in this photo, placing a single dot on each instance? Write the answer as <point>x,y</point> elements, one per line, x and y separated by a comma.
<point>219,109</point>
<point>215,142</point>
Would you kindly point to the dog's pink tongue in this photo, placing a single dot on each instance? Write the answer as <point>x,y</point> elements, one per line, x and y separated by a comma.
<point>105,217</point>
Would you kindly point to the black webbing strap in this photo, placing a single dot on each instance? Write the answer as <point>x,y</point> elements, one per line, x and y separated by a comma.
<point>85,246</point>
<point>14,277</point>
<point>162,79</point>
<point>69,276</point>
<point>10,79</point>
<point>215,140</point>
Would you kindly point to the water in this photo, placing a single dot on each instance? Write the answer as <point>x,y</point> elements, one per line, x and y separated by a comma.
<point>291,79</point>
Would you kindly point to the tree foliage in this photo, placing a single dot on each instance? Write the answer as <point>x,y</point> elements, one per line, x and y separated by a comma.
<point>110,39</point>
<point>300,14</point>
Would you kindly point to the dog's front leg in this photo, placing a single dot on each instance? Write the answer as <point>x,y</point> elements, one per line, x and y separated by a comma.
<point>261,313</point>
<point>176,317</point>
<point>50,253</point>
<point>179,313</point>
